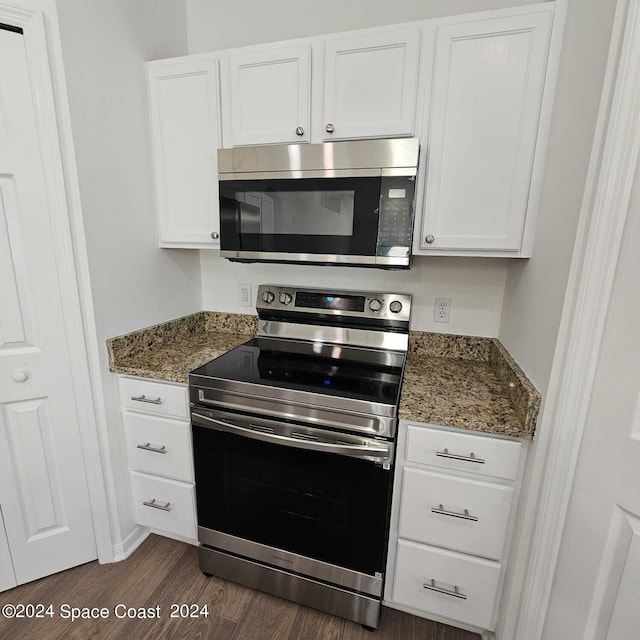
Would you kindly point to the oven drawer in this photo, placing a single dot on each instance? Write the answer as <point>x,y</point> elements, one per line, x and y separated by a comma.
<point>154,397</point>
<point>482,455</point>
<point>158,445</point>
<point>476,581</point>
<point>433,511</point>
<point>167,505</point>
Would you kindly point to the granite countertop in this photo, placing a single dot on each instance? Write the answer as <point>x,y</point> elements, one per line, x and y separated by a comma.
<point>171,350</point>
<point>457,381</point>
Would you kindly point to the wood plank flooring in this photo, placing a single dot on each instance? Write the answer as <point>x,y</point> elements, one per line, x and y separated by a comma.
<point>162,572</point>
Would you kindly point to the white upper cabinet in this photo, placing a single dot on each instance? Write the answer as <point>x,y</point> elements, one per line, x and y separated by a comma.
<point>470,86</point>
<point>268,96</point>
<point>185,132</point>
<point>370,84</point>
<point>481,129</point>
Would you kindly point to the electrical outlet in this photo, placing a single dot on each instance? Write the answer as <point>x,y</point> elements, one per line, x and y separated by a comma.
<point>244,295</point>
<point>442,310</point>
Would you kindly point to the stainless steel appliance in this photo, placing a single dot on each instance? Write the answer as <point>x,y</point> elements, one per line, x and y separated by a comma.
<point>349,203</point>
<point>293,437</point>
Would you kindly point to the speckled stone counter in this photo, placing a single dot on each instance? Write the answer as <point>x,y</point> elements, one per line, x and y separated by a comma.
<point>467,382</point>
<point>457,381</point>
<point>170,350</point>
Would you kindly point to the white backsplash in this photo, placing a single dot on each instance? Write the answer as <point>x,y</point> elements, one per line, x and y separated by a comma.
<point>475,286</point>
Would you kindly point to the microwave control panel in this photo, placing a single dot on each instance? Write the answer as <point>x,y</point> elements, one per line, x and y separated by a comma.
<point>395,219</point>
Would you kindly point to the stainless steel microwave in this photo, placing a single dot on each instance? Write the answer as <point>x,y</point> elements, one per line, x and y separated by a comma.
<point>349,203</point>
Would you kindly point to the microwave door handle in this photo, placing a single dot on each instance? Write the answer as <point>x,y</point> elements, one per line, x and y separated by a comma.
<point>380,453</point>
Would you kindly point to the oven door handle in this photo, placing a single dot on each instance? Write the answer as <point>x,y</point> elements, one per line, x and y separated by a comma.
<point>379,453</point>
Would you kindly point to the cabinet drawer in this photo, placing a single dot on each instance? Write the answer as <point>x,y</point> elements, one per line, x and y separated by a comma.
<point>174,510</point>
<point>482,530</point>
<point>154,397</point>
<point>481,455</point>
<point>476,581</point>
<point>158,445</point>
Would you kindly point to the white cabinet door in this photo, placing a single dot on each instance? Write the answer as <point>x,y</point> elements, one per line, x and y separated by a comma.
<point>160,446</point>
<point>7,574</point>
<point>370,85</point>
<point>448,584</point>
<point>269,96</point>
<point>43,487</point>
<point>159,398</point>
<point>488,77</point>
<point>463,514</point>
<point>164,504</point>
<point>184,105</point>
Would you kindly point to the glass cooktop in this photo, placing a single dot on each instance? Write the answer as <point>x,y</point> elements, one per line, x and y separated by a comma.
<point>319,368</point>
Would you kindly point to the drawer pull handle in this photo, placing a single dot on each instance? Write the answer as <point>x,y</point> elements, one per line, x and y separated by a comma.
<point>447,592</point>
<point>144,398</point>
<point>157,505</point>
<point>463,516</point>
<point>147,447</point>
<point>453,456</point>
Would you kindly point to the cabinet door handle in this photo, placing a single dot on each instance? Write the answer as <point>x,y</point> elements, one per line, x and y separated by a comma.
<point>441,511</point>
<point>447,592</point>
<point>147,447</point>
<point>453,456</point>
<point>329,128</point>
<point>144,398</point>
<point>429,239</point>
<point>299,131</point>
<point>157,505</point>
<point>215,235</point>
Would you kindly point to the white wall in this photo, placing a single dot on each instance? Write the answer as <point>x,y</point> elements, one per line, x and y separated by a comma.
<point>535,288</point>
<point>236,23</point>
<point>475,286</point>
<point>133,282</point>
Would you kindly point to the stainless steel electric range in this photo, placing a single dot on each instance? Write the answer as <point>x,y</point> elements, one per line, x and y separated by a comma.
<point>293,439</point>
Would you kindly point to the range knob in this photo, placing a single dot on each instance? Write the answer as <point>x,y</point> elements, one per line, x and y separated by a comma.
<point>395,306</point>
<point>268,297</point>
<point>375,305</point>
<point>285,298</point>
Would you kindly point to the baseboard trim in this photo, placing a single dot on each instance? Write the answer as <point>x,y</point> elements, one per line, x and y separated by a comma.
<point>124,549</point>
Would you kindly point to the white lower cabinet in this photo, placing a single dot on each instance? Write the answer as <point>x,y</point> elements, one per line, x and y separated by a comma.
<point>164,504</point>
<point>157,434</point>
<point>456,513</point>
<point>450,523</point>
<point>161,446</point>
<point>449,584</point>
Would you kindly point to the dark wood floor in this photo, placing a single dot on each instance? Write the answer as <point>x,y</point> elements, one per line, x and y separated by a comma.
<point>162,572</point>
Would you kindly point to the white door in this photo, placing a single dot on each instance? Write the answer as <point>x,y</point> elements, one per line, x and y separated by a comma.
<point>43,489</point>
<point>268,96</point>
<point>596,588</point>
<point>371,83</point>
<point>185,136</point>
<point>7,574</point>
<point>481,129</point>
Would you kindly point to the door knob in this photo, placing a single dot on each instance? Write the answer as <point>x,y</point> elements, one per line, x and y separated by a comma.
<point>20,376</point>
<point>329,128</point>
<point>299,131</point>
<point>429,239</point>
<point>215,235</point>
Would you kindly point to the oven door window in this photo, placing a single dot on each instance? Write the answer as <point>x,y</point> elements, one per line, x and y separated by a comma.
<point>324,506</point>
<point>309,215</point>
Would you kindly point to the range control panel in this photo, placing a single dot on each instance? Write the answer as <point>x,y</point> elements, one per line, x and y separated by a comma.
<point>389,306</point>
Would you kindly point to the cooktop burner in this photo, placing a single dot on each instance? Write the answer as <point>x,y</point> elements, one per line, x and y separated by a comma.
<point>284,364</point>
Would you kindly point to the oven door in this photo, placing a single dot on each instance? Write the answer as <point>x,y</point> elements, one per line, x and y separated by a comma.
<point>364,220</point>
<point>309,500</point>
